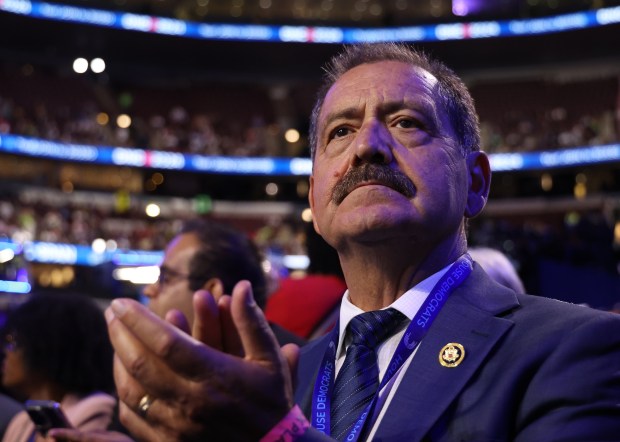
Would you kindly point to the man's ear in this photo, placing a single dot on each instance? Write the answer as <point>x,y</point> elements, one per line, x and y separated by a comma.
<point>215,287</point>
<point>479,183</point>
<point>311,201</point>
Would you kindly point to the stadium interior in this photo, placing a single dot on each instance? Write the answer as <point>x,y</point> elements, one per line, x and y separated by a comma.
<point>553,96</point>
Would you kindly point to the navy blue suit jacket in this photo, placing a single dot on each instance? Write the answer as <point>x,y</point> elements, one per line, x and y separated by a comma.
<point>535,369</point>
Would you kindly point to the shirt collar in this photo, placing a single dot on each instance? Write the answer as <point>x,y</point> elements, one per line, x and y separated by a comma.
<point>408,304</point>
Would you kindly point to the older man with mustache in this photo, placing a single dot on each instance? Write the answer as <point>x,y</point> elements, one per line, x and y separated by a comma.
<point>427,347</point>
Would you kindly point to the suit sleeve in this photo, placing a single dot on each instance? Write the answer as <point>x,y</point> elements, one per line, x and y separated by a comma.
<point>575,395</point>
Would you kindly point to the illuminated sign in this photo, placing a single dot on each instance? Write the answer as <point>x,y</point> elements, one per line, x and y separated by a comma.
<point>306,34</point>
<point>137,258</point>
<point>122,156</point>
<point>72,254</point>
<point>14,287</point>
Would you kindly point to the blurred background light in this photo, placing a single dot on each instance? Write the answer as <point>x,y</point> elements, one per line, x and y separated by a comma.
<point>97,65</point>
<point>80,65</point>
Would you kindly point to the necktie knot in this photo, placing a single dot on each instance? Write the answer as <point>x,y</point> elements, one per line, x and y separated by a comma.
<point>358,379</point>
<point>371,328</point>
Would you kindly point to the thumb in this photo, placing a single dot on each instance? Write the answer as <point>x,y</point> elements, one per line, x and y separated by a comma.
<point>257,339</point>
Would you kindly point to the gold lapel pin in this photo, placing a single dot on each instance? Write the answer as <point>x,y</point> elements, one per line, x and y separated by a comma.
<point>451,355</point>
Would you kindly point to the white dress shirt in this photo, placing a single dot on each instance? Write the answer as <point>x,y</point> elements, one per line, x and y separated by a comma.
<point>408,304</point>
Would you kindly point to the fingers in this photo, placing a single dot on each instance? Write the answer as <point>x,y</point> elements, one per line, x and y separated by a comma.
<point>206,327</point>
<point>259,342</point>
<point>230,336</point>
<point>134,360</point>
<point>151,348</point>
<point>199,391</point>
<point>178,319</point>
<point>171,420</point>
<point>144,426</point>
<point>129,390</point>
<point>154,357</point>
<point>137,426</point>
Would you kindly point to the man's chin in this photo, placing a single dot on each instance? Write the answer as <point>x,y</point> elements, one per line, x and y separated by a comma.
<point>370,219</point>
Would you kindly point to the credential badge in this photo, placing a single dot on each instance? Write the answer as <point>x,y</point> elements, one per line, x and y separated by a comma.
<point>451,355</point>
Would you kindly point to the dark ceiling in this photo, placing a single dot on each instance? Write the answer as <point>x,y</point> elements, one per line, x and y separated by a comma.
<point>135,56</point>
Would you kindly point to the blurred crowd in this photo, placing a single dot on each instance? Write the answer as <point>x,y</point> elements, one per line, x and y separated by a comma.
<point>253,120</point>
<point>217,119</point>
<point>73,224</point>
<point>547,115</point>
<point>26,218</point>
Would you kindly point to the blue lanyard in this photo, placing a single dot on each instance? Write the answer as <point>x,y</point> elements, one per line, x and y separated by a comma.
<point>418,327</point>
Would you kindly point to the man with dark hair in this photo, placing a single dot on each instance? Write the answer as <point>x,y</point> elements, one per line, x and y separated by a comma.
<point>208,255</point>
<point>428,346</point>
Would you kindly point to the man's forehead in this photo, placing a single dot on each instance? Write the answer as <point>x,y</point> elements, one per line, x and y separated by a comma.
<point>182,245</point>
<point>388,70</point>
<point>387,81</point>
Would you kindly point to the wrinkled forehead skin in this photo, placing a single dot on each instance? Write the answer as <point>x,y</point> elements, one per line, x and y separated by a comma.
<point>417,88</point>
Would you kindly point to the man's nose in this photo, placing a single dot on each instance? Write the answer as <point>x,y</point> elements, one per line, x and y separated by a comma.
<point>150,291</point>
<point>374,143</point>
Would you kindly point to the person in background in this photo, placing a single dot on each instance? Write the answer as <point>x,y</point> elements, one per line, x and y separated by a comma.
<point>9,407</point>
<point>208,256</point>
<point>57,348</point>
<point>498,266</point>
<point>428,346</point>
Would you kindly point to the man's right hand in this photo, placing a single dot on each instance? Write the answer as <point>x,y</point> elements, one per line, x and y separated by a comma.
<point>200,392</point>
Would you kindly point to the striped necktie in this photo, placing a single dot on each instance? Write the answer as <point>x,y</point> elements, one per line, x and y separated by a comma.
<point>358,379</point>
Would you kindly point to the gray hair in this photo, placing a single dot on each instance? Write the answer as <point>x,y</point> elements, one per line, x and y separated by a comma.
<point>453,94</point>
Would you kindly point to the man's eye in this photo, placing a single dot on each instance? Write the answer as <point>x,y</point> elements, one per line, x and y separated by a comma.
<point>407,123</point>
<point>340,132</point>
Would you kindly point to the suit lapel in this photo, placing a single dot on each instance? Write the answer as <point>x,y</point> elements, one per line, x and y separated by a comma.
<point>428,388</point>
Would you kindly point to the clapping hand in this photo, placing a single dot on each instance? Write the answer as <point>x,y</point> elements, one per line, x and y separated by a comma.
<point>228,381</point>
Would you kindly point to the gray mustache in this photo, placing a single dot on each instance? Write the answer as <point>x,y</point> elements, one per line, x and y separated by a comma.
<point>382,175</point>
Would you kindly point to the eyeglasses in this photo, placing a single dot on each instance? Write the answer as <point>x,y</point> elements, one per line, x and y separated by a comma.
<point>10,343</point>
<point>168,276</point>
